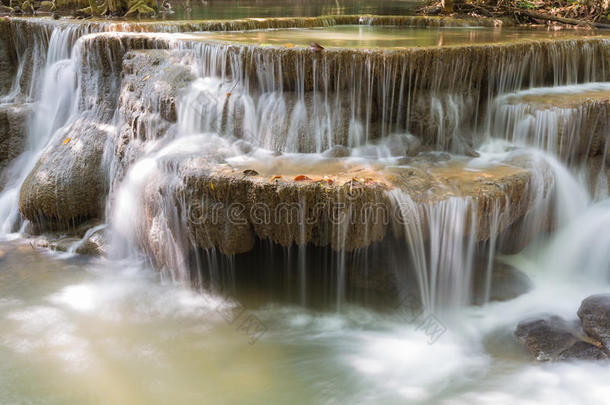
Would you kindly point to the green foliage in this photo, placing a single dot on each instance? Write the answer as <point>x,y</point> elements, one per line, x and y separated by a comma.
<point>105,7</point>
<point>140,7</point>
<point>48,5</point>
<point>525,4</point>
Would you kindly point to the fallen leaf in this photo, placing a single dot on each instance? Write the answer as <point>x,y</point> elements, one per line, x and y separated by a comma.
<point>146,77</point>
<point>276,178</point>
<point>66,141</point>
<point>289,45</point>
<point>212,185</point>
<point>301,177</point>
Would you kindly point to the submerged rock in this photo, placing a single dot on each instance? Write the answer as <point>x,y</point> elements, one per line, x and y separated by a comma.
<point>403,145</point>
<point>594,313</point>
<point>547,337</point>
<point>337,151</point>
<point>506,282</point>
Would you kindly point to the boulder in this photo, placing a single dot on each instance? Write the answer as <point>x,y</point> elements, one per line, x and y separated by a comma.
<point>68,185</point>
<point>547,337</point>
<point>594,312</point>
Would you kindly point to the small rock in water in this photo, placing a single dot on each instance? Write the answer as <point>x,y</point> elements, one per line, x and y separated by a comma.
<point>337,151</point>
<point>403,144</point>
<point>250,172</point>
<point>316,47</point>
<point>472,153</point>
<point>243,146</point>
<point>434,157</point>
<point>594,312</point>
<point>547,336</point>
<point>95,245</point>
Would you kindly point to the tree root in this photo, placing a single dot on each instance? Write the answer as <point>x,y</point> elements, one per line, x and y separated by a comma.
<point>563,20</point>
<point>500,10</point>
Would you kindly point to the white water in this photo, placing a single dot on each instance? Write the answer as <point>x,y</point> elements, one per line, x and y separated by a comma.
<point>54,109</point>
<point>115,325</point>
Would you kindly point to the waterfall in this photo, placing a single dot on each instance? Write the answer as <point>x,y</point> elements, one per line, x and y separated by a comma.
<point>54,108</point>
<point>581,249</point>
<point>571,122</point>
<point>159,120</point>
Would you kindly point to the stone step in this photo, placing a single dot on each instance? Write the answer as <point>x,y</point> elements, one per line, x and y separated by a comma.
<point>571,121</point>
<point>343,203</point>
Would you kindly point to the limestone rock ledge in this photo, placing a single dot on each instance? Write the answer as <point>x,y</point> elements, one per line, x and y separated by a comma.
<point>571,121</point>
<point>337,203</point>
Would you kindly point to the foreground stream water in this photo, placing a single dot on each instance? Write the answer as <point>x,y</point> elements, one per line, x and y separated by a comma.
<point>77,331</point>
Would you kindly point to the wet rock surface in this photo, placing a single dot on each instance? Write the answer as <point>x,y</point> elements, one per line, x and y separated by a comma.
<point>582,351</point>
<point>6,64</point>
<point>14,120</point>
<point>94,244</point>
<point>547,337</point>
<point>152,81</point>
<point>553,338</point>
<point>68,184</point>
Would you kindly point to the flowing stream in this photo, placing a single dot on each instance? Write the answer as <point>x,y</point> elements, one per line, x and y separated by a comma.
<point>179,311</point>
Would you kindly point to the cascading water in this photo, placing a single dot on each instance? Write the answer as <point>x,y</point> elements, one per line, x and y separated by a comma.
<point>303,104</point>
<point>168,143</point>
<point>55,107</point>
<point>255,107</point>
